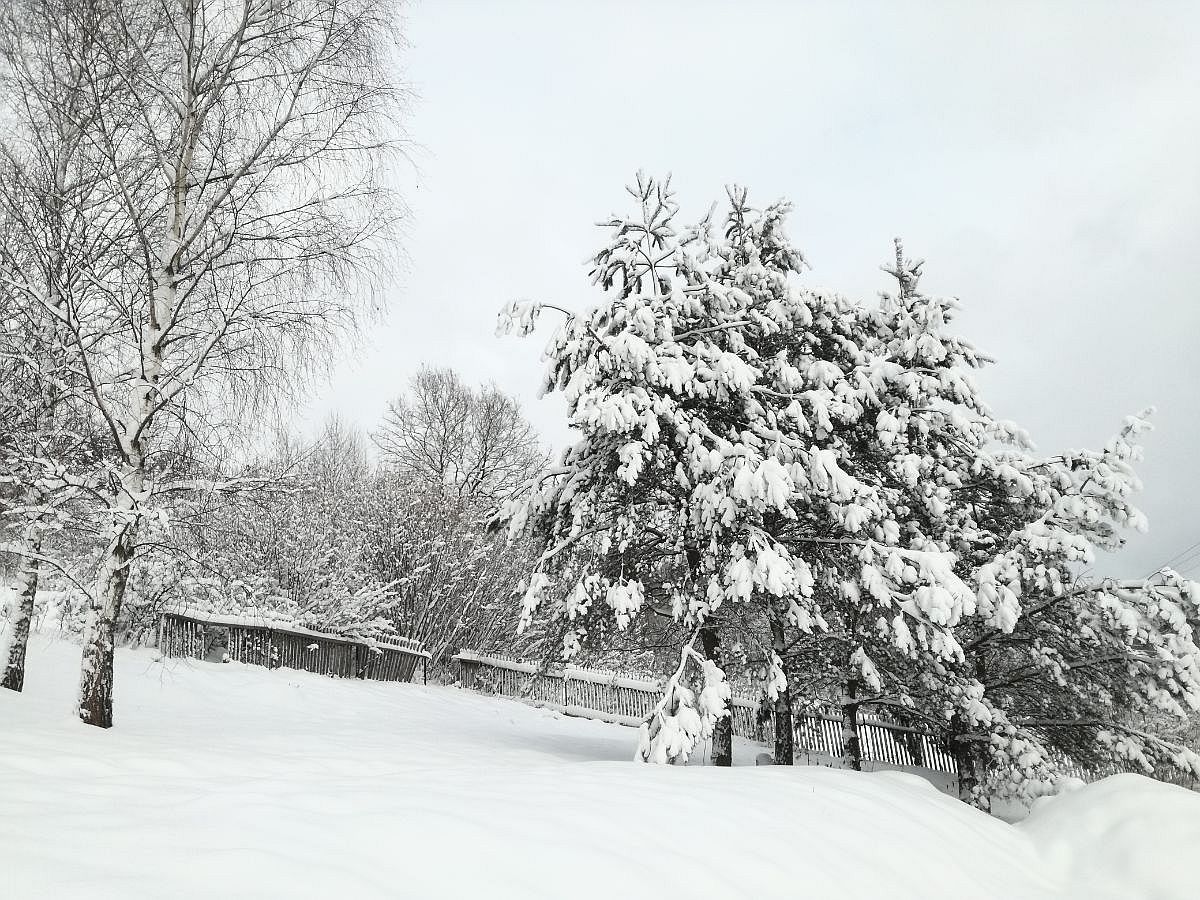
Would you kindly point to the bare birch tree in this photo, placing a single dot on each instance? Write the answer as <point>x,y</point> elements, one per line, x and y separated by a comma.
<point>52,249</point>
<point>473,443</point>
<point>242,141</point>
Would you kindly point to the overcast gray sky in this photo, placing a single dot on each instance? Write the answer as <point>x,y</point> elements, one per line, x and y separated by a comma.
<point>1044,158</point>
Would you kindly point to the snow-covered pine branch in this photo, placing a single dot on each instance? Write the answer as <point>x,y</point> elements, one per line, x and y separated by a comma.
<point>683,717</point>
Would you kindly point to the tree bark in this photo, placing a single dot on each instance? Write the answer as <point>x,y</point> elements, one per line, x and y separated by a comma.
<point>916,748</point>
<point>21,615</point>
<point>722,740</point>
<point>971,765</point>
<point>969,755</point>
<point>785,746</point>
<point>851,743</point>
<point>96,669</point>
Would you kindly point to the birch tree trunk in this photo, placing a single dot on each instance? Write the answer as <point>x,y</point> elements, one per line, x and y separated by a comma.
<point>96,668</point>
<point>163,307</point>
<point>20,614</point>
<point>49,251</point>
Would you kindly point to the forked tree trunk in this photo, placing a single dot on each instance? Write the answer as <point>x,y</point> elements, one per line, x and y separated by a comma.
<point>96,670</point>
<point>21,616</point>
<point>785,741</point>
<point>851,742</point>
<point>722,740</point>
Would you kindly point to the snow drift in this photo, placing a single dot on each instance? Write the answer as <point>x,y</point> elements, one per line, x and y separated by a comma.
<point>237,782</point>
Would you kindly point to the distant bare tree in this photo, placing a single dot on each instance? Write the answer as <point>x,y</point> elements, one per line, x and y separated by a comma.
<point>239,142</point>
<point>474,443</point>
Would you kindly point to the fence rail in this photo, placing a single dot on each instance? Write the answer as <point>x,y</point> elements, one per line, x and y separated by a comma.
<point>612,697</point>
<point>262,642</point>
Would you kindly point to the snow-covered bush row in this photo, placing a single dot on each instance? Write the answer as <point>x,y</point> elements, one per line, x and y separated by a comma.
<point>815,490</point>
<point>336,544</point>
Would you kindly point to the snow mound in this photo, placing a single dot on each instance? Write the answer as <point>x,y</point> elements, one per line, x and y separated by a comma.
<point>1124,836</point>
<point>237,782</point>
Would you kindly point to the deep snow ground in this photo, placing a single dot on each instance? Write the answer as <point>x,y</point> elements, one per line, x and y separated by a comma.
<point>230,781</point>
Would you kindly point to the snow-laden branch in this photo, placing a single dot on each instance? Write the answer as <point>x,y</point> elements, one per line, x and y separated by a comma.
<point>681,718</point>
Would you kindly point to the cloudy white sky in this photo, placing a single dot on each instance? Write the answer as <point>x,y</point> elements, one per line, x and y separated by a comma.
<point>1044,158</point>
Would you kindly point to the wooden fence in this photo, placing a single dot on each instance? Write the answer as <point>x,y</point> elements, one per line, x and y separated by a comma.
<point>261,642</point>
<point>612,697</point>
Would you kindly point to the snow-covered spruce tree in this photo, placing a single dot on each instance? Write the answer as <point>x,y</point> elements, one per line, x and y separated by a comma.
<point>1071,668</point>
<point>1018,527</point>
<point>912,527</point>
<point>713,394</point>
<point>891,588</point>
<point>240,140</point>
<point>1022,527</point>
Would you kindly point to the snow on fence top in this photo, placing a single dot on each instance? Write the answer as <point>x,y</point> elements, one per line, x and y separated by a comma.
<point>289,626</point>
<point>578,673</point>
<point>272,643</point>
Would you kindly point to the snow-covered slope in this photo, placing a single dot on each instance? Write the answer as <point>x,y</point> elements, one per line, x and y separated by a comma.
<point>236,782</point>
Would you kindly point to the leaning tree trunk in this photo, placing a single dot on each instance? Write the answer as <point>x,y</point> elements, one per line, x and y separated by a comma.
<point>96,670</point>
<point>722,740</point>
<point>851,742</point>
<point>785,740</point>
<point>21,614</point>
<point>99,643</point>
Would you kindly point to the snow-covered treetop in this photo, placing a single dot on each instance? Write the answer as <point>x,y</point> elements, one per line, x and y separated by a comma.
<point>723,408</point>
